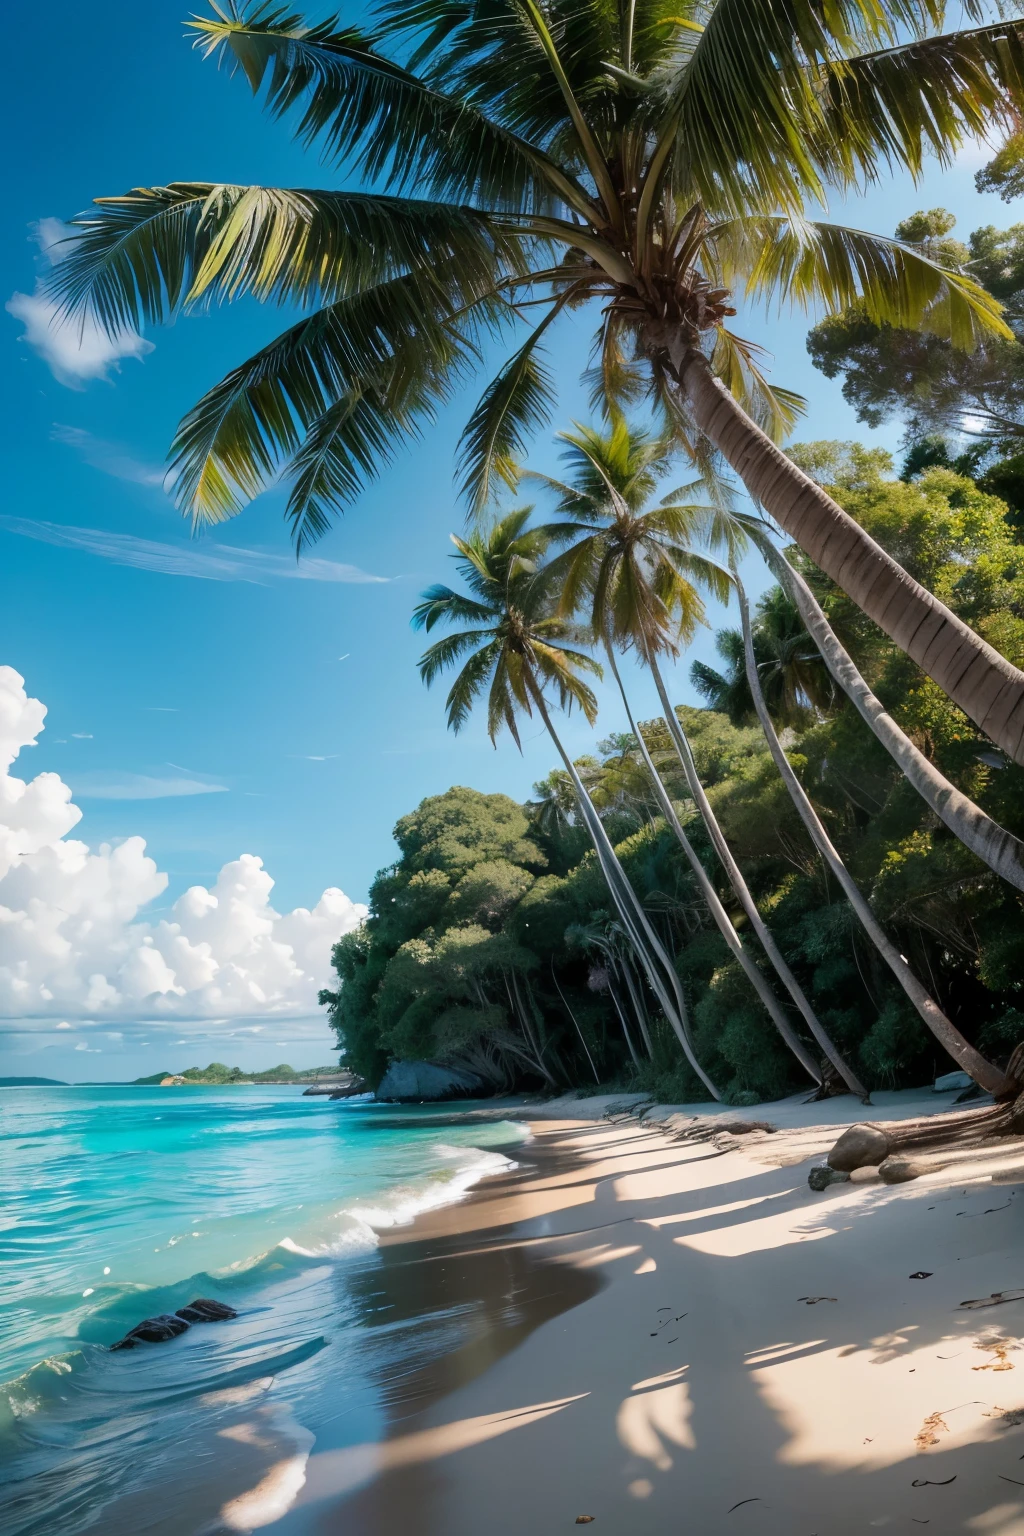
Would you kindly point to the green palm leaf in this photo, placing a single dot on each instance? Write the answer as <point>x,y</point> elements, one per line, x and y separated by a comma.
<point>928,94</point>
<point>517,401</point>
<point>389,348</point>
<point>140,257</point>
<point>361,104</point>
<point>805,262</point>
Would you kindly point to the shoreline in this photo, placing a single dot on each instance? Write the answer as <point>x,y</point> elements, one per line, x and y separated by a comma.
<point>744,1354</point>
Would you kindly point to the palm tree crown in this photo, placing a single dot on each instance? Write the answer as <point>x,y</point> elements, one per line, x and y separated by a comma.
<point>645,154</point>
<point>646,157</point>
<point>515,644</point>
<point>794,680</point>
<point>630,561</point>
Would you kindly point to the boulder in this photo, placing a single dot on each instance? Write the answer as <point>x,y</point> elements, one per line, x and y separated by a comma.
<point>953,1082</point>
<point>900,1170</point>
<point>862,1146</point>
<point>414,1082</point>
<point>157,1330</point>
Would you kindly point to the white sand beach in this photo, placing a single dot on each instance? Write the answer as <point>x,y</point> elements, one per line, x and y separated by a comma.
<point>757,1358</point>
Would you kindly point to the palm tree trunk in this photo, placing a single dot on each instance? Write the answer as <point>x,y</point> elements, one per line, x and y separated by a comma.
<point>1001,851</point>
<point>622,1020</point>
<point>575,1021</point>
<point>660,971</point>
<point>981,682</point>
<point>639,1011</point>
<point>943,1029</point>
<point>519,1011</point>
<point>732,869</point>
<point>724,924</point>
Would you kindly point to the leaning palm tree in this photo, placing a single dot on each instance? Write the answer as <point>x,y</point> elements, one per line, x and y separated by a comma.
<point>516,647</point>
<point>998,848</point>
<point>646,157</point>
<point>946,1032</point>
<point>631,567</point>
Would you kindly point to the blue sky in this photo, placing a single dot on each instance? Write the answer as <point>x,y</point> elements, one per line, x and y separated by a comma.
<point>196,690</point>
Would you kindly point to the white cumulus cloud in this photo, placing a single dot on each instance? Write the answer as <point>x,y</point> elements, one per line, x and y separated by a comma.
<point>75,350</point>
<point>75,941</point>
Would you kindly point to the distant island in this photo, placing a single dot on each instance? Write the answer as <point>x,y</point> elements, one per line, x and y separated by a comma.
<point>33,1082</point>
<point>218,1075</point>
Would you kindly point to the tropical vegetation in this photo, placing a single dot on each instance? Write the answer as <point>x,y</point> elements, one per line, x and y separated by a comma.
<point>493,906</point>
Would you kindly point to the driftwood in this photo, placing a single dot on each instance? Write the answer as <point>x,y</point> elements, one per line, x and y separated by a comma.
<point>895,1147</point>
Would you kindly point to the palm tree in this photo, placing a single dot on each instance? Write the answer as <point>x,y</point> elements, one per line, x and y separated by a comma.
<point>516,648</point>
<point>643,156</point>
<point>630,565</point>
<point>794,680</point>
<point>942,1028</point>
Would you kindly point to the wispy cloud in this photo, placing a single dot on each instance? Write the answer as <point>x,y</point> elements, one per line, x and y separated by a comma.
<point>207,562</point>
<point>138,786</point>
<point>82,735</point>
<point>74,350</point>
<point>109,458</point>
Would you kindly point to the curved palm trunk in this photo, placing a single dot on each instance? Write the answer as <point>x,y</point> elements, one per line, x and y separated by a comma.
<point>943,1029</point>
<point>725,927</point>
<point>622,1020</point>
<point>519,1010</point>
<point>639,1011</point>
<point>1001,851</point>
<point>565,1005</point>
<point>732,869</point>
<point>981,682</point>
<point>661,973</point>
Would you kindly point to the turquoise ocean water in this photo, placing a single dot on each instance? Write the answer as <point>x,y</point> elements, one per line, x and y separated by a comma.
<point>118,1203</point>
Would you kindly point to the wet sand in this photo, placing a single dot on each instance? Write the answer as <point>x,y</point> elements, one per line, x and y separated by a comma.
<point>672,1335</point>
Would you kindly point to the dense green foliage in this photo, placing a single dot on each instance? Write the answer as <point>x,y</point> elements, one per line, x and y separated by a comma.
<point>494,926</point>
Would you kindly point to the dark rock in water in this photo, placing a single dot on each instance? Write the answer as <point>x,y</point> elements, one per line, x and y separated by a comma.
<point>202,1310</point>
<point>157,1330</point>
<point>339,1085</point>
<point>821,1176</point>
<point>153,1330</point>
<point>412,1082</point>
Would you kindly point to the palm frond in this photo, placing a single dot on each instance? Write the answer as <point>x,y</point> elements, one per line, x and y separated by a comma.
<point>443,654</point>
<point>441,603</point>
<point>743,112</point>
<point>806,262</point>
<point>735,362</point>
<point>560,669</point>
<point>892,106</point>
<point>139,257</point>
<point>358,103</point>
<point>711,685</point>
<point>469,683</point>
<point>518,400</point>
<point>388,348</point>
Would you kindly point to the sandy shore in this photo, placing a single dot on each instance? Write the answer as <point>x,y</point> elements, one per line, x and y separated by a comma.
<point>684,1338</point>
